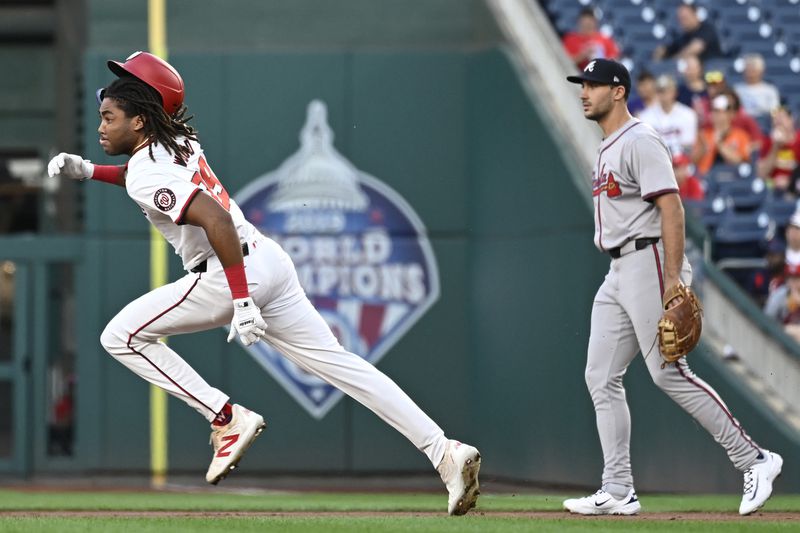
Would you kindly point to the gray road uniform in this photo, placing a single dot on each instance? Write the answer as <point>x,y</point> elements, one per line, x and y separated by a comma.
<point>633,167</point>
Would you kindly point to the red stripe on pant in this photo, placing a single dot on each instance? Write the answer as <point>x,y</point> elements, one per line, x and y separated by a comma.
<point>695,383</point>
<point>140,354</point>
<point>658,267</point>
<point>721,406</point>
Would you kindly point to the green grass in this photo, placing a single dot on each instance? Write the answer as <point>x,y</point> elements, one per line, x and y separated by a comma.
<point>485,519</point>
<point>357,524</point>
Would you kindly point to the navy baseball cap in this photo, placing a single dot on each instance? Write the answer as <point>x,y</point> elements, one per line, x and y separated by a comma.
<point>606,72</point>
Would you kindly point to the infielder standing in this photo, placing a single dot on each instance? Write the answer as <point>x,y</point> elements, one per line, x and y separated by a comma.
<point>639,223</point>
<point>235,275</point>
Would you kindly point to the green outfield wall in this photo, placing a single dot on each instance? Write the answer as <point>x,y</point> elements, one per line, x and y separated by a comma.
<point>497,361</point>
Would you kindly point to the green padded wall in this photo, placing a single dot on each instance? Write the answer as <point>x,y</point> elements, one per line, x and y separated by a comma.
<point>498,361</point>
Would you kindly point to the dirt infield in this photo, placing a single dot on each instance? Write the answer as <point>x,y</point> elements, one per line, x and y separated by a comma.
<point>700,517</point>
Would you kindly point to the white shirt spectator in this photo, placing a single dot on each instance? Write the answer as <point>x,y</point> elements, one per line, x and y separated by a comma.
<point>792,257</point>
<point>678,128</point>
<point>758,99</point>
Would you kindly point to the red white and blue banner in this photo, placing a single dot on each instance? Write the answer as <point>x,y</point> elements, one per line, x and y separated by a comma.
<point>361,253</point>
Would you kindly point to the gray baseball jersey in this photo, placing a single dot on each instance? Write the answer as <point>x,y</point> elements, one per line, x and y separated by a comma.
<point>633,168</point>
<point>633,164</point>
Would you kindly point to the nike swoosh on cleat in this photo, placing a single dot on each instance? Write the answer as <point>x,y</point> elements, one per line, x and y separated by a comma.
<point>602,503</point>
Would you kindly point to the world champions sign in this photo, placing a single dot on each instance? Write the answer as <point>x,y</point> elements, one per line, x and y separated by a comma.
<point>361,253</point>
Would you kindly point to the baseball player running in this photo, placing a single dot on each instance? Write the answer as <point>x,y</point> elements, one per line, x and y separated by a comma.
<point>639,222</point>
<point>234,275</point>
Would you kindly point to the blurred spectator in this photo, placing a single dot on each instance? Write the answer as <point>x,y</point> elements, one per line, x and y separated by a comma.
<point>742,120</point>
<point>61,426</point>
<point>699,38</point>
<point>782,251</point>
<point>716,84</point>
<point>692,89</point>
<point>792,252</point>
<point>758,97</point>
<point>587,42</point>
<point>780,154</point>
<point>689,187</point>
<point>645,93</point>
<point>721,142</point>
<point>772,275</point>
<point>675,122</point>
<point>783,304</point>
<point>787,246</point>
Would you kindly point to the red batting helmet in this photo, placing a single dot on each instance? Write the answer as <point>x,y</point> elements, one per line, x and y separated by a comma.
<point>156,73</point>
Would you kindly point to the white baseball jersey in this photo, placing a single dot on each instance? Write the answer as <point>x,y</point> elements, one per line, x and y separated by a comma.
<point>678,128</point>
<point>633,164</point>
<point>199,301</point>
<point>164,188</point>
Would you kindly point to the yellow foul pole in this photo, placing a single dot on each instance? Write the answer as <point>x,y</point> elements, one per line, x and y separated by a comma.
<point>157,44</point>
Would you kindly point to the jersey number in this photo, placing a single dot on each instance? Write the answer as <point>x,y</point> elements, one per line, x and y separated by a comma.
<point>209,181</point>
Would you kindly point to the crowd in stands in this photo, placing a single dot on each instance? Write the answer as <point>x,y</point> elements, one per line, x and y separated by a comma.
<point>734,143</point>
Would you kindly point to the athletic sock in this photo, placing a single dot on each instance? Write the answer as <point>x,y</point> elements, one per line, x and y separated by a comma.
<point>617,490</point>
<point>225,415</point>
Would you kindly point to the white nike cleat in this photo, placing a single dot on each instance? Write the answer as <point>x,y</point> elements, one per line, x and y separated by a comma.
<point>601,503</point>
<point>758,482</point>
<point>232,440</point>
<point>459,471</point>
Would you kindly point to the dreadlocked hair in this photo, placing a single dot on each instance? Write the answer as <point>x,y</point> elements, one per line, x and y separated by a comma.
<point>135,97</point>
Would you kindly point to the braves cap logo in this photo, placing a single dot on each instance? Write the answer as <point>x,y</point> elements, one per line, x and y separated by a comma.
<point>590,66</point>
<point>164,199</point>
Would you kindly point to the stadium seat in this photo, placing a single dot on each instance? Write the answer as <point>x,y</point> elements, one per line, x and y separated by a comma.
<point>742,235</point>
<point>744,32</point>
<point>765,47</point>
<point>667,66</point>
<point>711,211</point>
<point>777,66</point>
<point>743,194</point>
<point>721,173</point>
<point>780,210</point>
<point>784,14</point>
<point>721,64</point>
<point>731,18</point>
<point>619,4</point>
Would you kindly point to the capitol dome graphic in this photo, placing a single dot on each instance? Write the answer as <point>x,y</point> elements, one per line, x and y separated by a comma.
<point>361,253</point>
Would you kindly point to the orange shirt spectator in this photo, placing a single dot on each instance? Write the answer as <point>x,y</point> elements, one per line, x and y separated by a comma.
<point>587,42</point>
<point>721,142</point>
<point>717,85</point>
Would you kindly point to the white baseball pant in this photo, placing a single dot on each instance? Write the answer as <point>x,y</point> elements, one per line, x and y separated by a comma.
<point>199,302</point>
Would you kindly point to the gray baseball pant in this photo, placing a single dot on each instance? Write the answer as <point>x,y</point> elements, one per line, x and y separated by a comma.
<point>625,315</point>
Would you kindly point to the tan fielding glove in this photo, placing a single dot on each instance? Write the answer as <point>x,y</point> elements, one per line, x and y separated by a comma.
<point>680,326</point>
